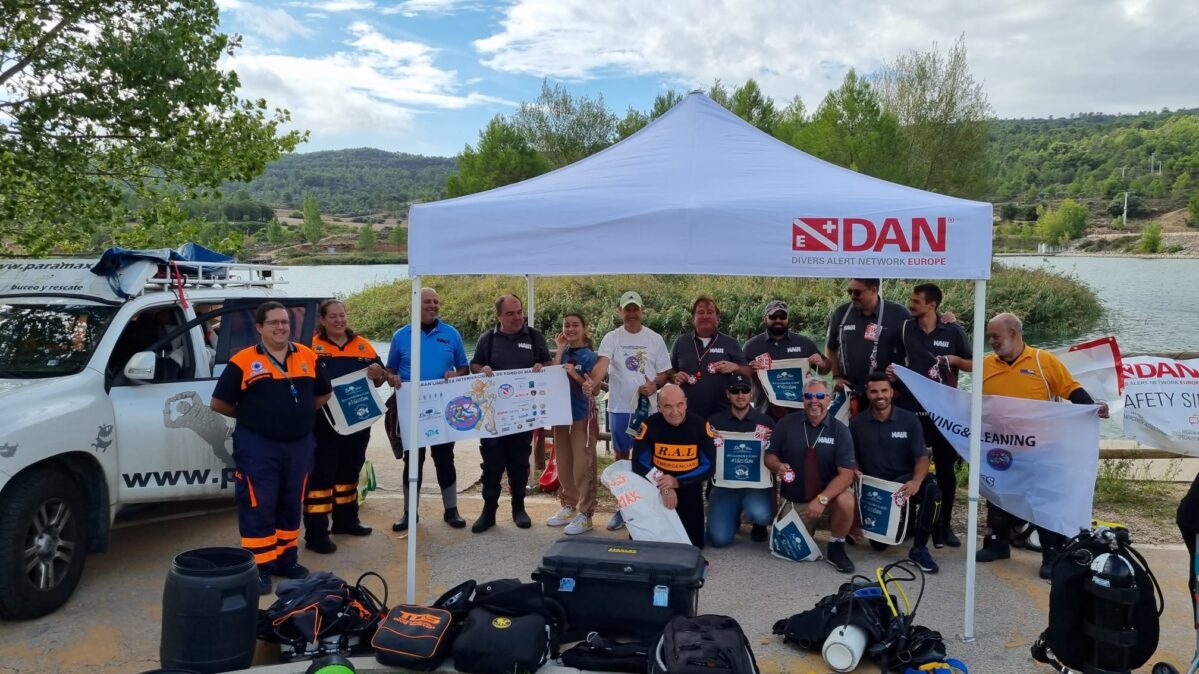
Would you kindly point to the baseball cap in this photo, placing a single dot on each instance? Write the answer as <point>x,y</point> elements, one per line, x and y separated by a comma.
<point>738,380</point>
<point>775,306</point>
<point>630,297</point>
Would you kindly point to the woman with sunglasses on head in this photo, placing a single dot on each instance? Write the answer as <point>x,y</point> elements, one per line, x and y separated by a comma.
<point>574,445</point>
<point>333,487</point>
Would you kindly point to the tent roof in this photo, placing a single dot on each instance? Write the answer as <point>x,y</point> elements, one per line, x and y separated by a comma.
<point>700,191</point>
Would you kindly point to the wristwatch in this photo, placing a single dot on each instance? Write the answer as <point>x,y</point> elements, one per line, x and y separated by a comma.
<point>822,498</point>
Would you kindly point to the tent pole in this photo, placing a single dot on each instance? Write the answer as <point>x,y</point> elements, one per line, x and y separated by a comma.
<point>411,438</point>
<point>531,300</point>
<point>976,423</point>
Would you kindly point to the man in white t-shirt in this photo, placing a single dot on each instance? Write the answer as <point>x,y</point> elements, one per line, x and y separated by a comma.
<point>640,364</point>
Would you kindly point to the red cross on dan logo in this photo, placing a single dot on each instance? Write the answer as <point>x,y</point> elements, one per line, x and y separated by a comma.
<point>815,234</point>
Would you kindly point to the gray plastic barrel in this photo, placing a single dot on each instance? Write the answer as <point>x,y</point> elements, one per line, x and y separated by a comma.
<point>210,611</point>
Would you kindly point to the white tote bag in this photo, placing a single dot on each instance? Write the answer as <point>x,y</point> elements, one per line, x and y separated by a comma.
<point>884,515</point>
<point>789,538</point>
<point>355,405</point>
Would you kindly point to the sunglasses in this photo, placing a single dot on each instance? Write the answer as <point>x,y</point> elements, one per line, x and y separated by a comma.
<point>854,292</point>
<point>814,396</point>
<point>739,390</point>
<point>779,316</point>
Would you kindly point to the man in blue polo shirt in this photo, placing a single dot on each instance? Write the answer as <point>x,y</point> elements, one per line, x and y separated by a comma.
<point>442,354</point>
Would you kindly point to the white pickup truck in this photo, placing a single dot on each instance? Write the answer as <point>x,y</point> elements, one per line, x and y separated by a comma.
<point>105,383</point>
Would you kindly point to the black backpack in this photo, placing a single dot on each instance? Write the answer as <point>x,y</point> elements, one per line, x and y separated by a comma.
<point>705,644</point>
<point>597,654</point>
<point>1069,639</point>
<point>322,615</point>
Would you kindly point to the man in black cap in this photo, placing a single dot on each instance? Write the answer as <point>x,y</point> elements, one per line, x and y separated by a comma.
<point>889,443</point>
<point>727,502</point>
<point>812,453</point>
<point>778,342</point>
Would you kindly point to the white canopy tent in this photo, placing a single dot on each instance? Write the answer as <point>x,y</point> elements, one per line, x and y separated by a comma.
<point>700,191</point>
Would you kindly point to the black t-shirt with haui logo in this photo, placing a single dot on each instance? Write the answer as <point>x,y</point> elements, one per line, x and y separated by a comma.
<point>518,351</point>
<point>692,357</point>
<point>789,442</point>
<point>888,449</point>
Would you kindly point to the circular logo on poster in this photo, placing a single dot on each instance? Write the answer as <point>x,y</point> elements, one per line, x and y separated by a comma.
<point>999,459</point>
<point>501,623</point>
<point>632,364</point>
<point>506,390</point>
<point>362,411</point>
<point>462,413</point>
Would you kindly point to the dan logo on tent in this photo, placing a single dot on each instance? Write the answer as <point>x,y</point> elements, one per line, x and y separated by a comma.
<point>855,235</point>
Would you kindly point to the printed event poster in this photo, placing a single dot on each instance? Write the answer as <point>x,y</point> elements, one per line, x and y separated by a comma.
<point>356,403</point>
<point>478,406</point>
<point>739,462</point>
<point>783,381</point>
<point>883,519</point>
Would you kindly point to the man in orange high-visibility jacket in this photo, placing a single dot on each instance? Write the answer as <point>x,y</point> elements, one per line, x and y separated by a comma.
<point>273,389</point>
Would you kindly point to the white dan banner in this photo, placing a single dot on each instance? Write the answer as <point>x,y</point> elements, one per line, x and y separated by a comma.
<point>1161,403</point>
<point>1039,458</point>
<point>640,504</point>
<point>478,406</point>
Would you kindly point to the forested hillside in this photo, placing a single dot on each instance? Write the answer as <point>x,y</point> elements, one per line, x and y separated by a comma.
<point>352,182</point>
<point>1096,156</point>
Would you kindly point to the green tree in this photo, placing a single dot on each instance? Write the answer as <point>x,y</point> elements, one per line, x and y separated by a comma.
<point>274,233</point>
<point>851,129</point>
<point>945,117</point>
<point>791,120</point>
<point>313,227</point>
<point>749,103</point>
<point>1066,222</point>
<point>367,239</point>
<point>1151,238</point>
<point>563,128</point>
<point>502,157</point>
<point>399,235</point>
<point>635,120</point>
<point>1193,210</point>
<point>100,98</point>
<point>1182,186</point>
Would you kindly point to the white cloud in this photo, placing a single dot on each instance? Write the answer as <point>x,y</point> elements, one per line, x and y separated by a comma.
<point>275,25</point>
<point>446,7</point>
<point>1034,58</point>
<point>343,5</point>
<point>376,85</point>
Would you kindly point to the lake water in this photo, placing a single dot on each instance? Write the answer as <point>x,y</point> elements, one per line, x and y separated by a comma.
<point>1147,302</point>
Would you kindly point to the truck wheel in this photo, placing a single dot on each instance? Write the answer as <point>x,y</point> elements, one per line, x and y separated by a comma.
<point>42,544</point>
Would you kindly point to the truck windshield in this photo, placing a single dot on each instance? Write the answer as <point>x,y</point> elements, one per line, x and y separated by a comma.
<point>49,340</point>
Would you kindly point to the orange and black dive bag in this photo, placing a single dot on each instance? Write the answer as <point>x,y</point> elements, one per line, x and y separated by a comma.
<point>414,637</point>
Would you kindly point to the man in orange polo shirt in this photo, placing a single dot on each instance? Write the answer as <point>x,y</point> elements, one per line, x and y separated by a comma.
<point>1017,370</point>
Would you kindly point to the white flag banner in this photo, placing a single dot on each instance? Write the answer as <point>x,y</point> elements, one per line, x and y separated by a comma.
<point>478,406</point>
<point>1039,458</point>
<point>1097,365</point>
<point>1161,403</point>
<point>640,503</point>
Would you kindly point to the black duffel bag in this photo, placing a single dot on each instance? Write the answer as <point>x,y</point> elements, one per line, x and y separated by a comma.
<point>511,629</point>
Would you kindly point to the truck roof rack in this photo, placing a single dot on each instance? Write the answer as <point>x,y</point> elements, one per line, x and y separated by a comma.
<point>215,274</point>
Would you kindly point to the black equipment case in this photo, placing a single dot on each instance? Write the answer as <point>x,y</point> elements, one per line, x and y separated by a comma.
<point>621,588</point>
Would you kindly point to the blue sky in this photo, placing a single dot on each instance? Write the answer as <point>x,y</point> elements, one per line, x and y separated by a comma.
<point>424,76</point>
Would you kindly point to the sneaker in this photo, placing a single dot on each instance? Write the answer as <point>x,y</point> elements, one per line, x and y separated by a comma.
<point>293,572</point>
<point>758,533</point>
<point>617,521</point>
<point>923,559</point>
<point>838,559</point>
<point>265,584</point>
<point>563,517</point>
<point>579,525</point>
